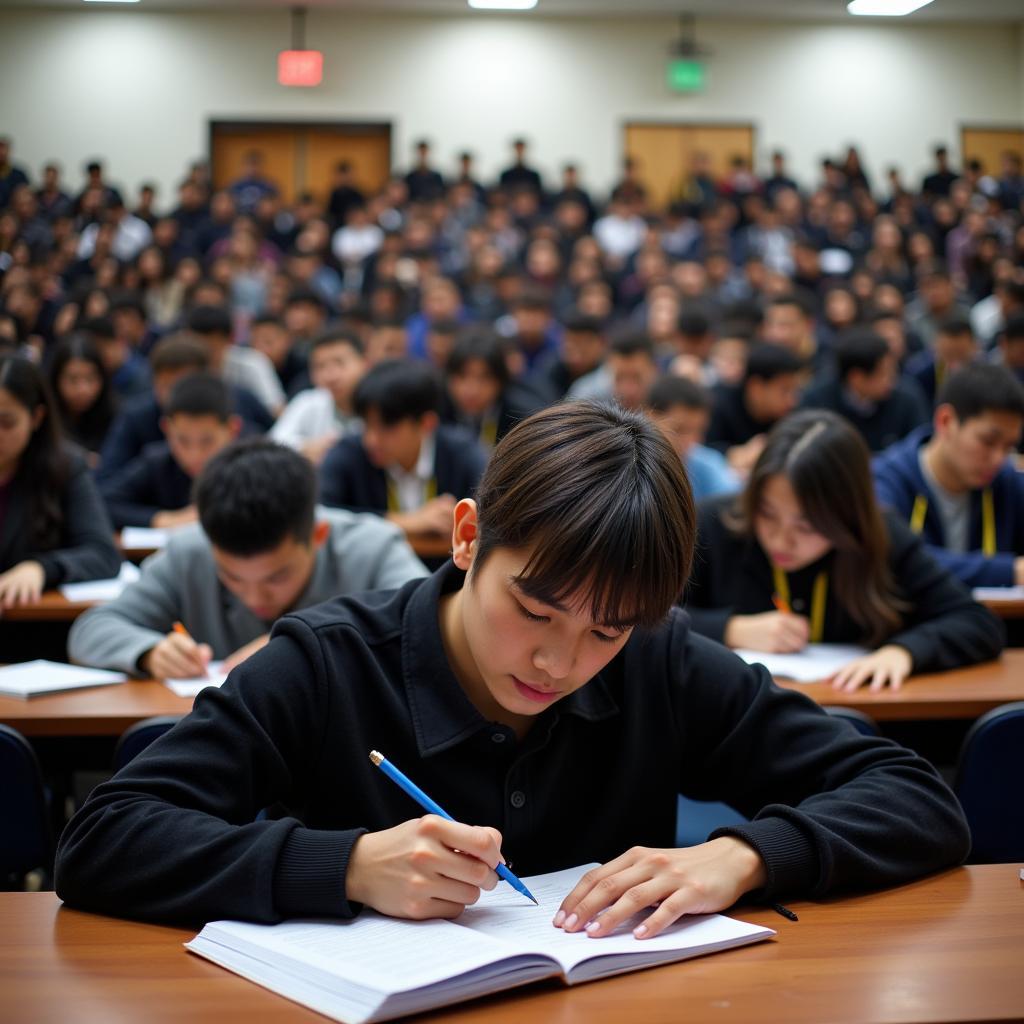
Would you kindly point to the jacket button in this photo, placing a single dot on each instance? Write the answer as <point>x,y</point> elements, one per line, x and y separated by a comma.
<point>497,737</point>
<point>518,799</point>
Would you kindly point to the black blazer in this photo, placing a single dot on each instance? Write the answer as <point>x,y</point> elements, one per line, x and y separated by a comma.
<point>944,628</point>
<point>349,480</point>
<point>86,550</point>
<point>149,484</point>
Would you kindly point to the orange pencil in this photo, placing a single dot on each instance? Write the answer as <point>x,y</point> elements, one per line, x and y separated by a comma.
<point>780,605</point>
<point>179,628</point>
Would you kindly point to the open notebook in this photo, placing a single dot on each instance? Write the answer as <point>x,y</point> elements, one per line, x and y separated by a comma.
<point>814,663</point>
<point>377,968</point>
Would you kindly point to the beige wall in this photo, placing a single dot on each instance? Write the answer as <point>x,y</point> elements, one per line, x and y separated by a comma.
<point>138,87</point>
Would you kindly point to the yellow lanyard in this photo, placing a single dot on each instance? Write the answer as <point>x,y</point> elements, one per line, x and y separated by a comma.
<point>394,505</point>
<point>940,374</point>
<point>819,595</point>
<point>988,519</point>
<point>489,431</point>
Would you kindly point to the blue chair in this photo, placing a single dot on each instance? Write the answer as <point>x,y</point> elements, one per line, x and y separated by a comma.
<point>137,737</point>
<point>697,819</point>
<point>861,722</point>
<point>26,835</point>
<point>989,779</point>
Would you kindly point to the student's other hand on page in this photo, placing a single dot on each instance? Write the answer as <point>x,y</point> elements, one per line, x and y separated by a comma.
<point>890,664</point>
<point>424,868</point>
<point>699,880</point>
<point>771,632</point>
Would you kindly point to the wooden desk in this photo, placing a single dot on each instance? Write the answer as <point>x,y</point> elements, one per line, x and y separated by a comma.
<point>430,545</point>
<point>1005,608</point>
<point>949,948</point>
<point>102,711</point>
<point>960,693</point>
<point>52,606</point>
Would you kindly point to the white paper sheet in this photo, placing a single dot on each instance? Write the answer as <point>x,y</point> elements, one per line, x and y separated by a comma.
<point>144,537</point>
<point>998,593</point>
<point>102,590</point>
<point>31,678</point>
<point>190,687</point>
<point>813,664</point>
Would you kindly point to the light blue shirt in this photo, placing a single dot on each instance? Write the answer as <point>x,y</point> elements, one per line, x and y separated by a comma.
<point>709,473</point>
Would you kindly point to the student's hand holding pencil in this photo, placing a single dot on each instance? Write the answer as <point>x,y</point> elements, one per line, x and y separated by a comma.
<point>424,868</point>
<point>177,656</point>
<point>778,632</point>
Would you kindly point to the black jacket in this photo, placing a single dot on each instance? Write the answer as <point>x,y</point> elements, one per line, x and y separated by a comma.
<point>731,423</point>
<point>138,425</point>
<point>173,835</point>
<point>349,480</point>
<point>891,420</point>
<point>944,628</point>
<point>86,550</point>
<point>152,482</point>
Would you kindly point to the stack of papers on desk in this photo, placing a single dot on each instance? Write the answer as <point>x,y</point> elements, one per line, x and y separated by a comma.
<point>102,590</point>
<point>32,678</point>
<point>190,687</point>
<point>813,664</point>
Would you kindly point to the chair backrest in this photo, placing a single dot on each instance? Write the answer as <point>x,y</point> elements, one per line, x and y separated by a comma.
<point>861,722</point>
<point>990,785</point>
<point>26,836</point>
<point>137,737</point>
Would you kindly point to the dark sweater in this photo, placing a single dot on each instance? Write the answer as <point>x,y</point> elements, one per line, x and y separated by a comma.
<point>138,425</point>
<point>86,548</point>
<point>153,482</point>
<point>173,835</point>
<point>889,421</point>
<point>349,480</point>
<point>731,422</point>
<point>943,629</point>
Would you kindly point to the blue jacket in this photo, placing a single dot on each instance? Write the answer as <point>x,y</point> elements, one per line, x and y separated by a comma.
<point>898,481</point>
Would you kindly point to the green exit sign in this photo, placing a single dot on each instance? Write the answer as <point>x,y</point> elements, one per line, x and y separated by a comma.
<point>685,75</point>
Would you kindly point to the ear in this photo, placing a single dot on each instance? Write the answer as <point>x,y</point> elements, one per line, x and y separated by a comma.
<point>429,423</point>
<point>235,425</point>
<point>945,417</point>
<point>464,533</point>
<point>165,424</point>
<point>37,417</point>
<point>321,531</point>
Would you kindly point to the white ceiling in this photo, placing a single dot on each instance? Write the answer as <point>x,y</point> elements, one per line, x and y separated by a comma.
<point>807,10</point>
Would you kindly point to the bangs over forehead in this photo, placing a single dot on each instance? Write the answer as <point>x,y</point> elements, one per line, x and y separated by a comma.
<point>602,503</point>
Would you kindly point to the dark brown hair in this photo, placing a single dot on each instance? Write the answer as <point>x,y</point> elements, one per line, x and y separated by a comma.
<point>602,500</point>
<point>827,464</point>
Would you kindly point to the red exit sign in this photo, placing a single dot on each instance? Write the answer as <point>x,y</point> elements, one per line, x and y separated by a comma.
<point>300,67</point>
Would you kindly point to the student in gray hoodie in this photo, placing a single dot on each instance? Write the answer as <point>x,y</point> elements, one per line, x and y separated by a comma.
<point>262,547</point>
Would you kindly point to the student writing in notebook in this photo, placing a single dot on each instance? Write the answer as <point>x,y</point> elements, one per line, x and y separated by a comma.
<point>954,481</point>
<point>262,547</point>
<point>541,685</point>
<point>804,555</point>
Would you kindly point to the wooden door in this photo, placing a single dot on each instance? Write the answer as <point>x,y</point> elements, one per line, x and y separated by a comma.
<point>278,146</point>
<point>665,153</point>
<point>989,144</point>
<point>368,150</point>
<point>301,157</point>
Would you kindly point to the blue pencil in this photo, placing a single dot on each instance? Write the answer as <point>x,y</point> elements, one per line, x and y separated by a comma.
<point>430,805</point>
